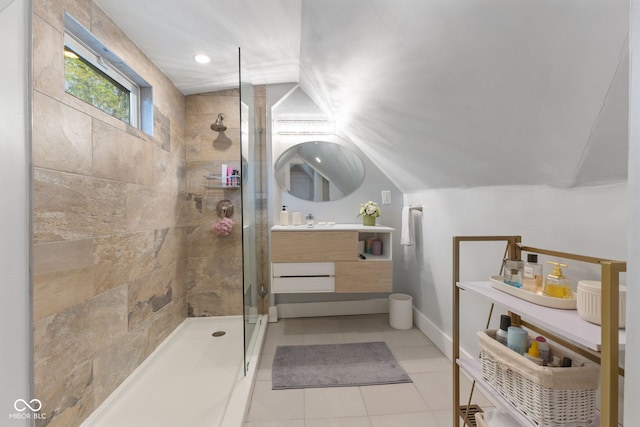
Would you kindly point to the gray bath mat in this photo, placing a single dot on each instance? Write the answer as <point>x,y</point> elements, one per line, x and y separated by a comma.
<point>335,365</point>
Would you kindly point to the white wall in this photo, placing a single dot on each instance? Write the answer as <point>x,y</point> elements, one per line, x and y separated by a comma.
<point>15,151</point>
<point>632,373</point>
<point>470,87</point>
<point>586,220</point>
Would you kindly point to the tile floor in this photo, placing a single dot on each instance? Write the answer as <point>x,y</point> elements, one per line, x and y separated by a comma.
<point>426,402</point>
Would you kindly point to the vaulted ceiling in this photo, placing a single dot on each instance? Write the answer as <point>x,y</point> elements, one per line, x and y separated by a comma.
<point>438,93</point>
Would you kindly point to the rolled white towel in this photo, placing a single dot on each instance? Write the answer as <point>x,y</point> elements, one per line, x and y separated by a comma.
<point>406,235</point>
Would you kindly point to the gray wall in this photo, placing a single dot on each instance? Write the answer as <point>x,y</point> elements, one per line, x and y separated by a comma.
<point>15,307</point>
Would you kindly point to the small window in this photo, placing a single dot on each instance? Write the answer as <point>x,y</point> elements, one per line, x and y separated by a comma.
<point>89,77</point>
<point>103,79</point>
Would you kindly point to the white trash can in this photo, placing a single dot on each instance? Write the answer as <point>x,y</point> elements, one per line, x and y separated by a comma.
<point>401,311</point>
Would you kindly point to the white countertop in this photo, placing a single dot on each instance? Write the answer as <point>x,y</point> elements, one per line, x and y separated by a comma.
<point>334,227</point>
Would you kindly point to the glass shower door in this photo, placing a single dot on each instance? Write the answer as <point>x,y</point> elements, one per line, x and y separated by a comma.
<point>250,177</point>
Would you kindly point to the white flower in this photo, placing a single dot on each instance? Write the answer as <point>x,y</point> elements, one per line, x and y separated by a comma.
<point>370,208</point>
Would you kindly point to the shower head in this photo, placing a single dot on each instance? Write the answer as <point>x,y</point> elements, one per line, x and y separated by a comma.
<point>219,125</point>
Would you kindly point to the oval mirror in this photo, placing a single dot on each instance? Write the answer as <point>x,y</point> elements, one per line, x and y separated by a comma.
<point>319,171</point>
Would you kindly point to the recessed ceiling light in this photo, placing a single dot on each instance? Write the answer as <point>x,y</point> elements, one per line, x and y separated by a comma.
<point>202,59</point>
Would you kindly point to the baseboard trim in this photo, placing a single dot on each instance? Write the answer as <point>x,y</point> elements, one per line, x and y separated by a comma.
<point>436,335</point>
<point>333,308</point>
<point>369,306</point>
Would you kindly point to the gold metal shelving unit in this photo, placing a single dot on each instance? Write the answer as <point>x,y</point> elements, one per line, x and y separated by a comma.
<point>607,357</point>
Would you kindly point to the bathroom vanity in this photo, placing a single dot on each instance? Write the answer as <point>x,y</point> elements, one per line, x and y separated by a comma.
<point>330,258</point>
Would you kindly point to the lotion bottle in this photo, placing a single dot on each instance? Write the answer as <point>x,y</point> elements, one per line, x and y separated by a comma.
<point>557,285</point>
<point>284,216</point>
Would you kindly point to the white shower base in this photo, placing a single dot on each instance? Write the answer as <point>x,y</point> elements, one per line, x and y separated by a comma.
<point>191,380</point>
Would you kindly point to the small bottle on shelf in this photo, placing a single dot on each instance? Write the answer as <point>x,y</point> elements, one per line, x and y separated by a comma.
<point>543,347</point>
<point>517,339</point>
<point>223,175</point>
<point>534,354</point>
<point>501,333</point>
<point>557,285</point>
<point>512,271</point>
<point>532,275</point>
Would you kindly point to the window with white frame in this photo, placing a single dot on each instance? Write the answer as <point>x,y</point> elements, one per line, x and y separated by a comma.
<point>103,80</point>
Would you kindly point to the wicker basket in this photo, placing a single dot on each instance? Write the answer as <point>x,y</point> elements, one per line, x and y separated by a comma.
<point>549,397</point>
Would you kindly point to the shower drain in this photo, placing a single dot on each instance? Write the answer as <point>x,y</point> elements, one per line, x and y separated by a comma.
<point>218,333</point>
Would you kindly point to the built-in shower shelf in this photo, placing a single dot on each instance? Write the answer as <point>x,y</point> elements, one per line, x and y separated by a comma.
<point>218,181</point>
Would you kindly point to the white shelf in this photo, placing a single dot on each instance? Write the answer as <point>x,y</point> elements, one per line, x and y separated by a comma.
<point>220,186</point>
<point>472,368</point>
<point>566,323</point>
<point>218,181</point>
<point>384,236</point>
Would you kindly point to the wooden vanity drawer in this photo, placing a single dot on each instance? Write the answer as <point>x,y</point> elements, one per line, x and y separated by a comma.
<point>364,276</point>
<point>310,246</point>
<point>302,285</point>
<point>304,269</point>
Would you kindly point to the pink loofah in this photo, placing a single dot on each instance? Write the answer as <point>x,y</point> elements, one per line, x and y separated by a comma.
<point>223,227</point>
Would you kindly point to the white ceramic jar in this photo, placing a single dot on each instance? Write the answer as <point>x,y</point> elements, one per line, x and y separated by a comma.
<point>589,295</point>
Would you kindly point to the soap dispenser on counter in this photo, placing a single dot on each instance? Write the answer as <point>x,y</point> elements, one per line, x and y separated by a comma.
<point>556,284</point>
<point>284,216</point>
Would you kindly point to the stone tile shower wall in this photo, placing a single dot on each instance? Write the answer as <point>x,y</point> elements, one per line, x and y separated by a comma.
<point>109,225</point>
<point>214,263</point>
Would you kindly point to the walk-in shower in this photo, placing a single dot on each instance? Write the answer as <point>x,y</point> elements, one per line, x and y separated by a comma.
<point>203,373</point>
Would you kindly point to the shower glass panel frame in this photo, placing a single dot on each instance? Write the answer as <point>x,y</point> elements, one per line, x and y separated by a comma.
<point>250,175</point>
